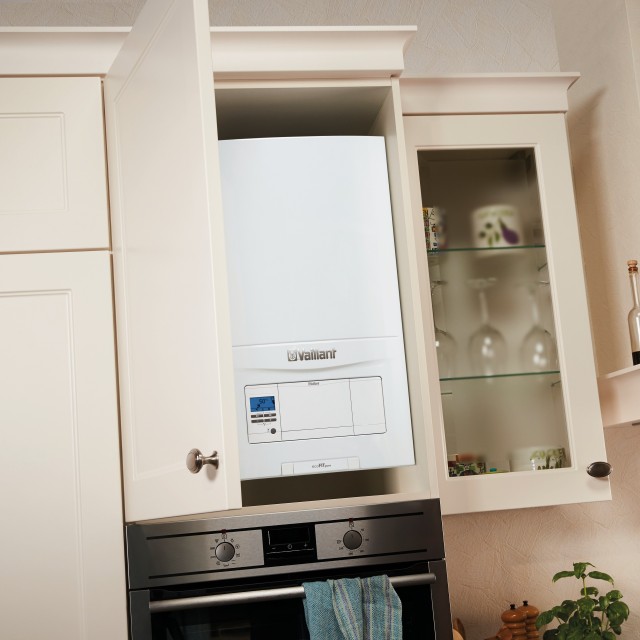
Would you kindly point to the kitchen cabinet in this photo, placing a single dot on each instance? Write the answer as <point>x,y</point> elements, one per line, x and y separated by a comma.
<point>511,373</point>
<point>53,181</point>
<point>175,88</point>
<point>164,117</point>
<point>62,540</point>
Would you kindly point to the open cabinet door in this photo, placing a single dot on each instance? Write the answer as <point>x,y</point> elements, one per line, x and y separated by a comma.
<point>174,345</point>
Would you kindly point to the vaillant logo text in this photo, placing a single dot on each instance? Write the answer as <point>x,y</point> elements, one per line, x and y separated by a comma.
<point>294,355</point>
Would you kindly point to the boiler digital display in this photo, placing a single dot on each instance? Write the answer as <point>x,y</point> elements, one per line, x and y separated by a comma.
<point>262,403</point>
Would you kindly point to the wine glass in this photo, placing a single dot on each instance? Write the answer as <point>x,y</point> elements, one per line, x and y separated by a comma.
<point>446,346</point>
<point>538,350</point>
<point>487,346</point>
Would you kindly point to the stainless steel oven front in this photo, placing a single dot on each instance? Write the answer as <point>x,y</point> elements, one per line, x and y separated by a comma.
<point>241,577</point>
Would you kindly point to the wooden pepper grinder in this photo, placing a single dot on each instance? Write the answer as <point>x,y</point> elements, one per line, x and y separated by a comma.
<point>532,615</point>
<point>515,620</point>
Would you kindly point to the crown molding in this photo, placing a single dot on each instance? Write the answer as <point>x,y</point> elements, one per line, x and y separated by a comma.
<point>237,53</point>
<point>486,93</point>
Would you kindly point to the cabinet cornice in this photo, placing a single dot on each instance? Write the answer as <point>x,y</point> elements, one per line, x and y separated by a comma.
<point>486,93</point>
<point>237,53</point>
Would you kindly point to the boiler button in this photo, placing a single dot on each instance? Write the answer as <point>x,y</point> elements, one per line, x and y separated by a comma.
<point>225,551</point>
<point>352,539</point>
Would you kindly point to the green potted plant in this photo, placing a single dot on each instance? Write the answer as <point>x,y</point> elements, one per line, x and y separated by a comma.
<point>592,616</point>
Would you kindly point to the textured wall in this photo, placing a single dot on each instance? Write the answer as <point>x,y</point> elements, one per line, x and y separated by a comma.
<point>633,15</point>
<point>453,35</point>
<point>502,557</point>
<point>599,39</point>
<point>498,558</point>
<point>72,13</point>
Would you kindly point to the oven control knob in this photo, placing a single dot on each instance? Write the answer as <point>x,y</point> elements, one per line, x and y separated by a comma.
<point>225,551</point>
<point>352,539</point>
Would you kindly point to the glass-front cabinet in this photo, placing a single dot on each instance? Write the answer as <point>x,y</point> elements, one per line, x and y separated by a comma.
<point>512,380</point>
<point>492,311</point>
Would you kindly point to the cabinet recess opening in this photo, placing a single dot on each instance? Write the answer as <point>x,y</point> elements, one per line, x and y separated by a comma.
<point>312,238</point>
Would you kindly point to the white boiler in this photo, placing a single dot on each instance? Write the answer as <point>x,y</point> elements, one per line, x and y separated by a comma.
<point>318,351</point>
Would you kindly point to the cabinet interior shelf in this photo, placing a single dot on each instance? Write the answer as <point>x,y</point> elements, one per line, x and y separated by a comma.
<point>437,252</point>
<point>619,398</point>
<point>503,375</point>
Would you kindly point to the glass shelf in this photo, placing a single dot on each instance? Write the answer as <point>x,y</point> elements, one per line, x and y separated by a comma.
<point>522,374</point>
<point>436,252</point>
<point>495,474</point>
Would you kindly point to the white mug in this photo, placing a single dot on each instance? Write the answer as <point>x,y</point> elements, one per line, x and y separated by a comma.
<point>496,226</point>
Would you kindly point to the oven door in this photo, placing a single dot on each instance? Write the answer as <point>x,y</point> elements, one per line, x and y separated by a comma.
<point>267,610</point>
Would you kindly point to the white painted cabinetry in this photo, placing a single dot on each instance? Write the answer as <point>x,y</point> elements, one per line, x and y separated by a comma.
<point>176,372</point>
<point>524,402</point>
<point>167,103</point>
<point>52,165</point>
<point>62,561</point>
<point>174,339</point>
<point>62,558</point>
<point>171,294</point>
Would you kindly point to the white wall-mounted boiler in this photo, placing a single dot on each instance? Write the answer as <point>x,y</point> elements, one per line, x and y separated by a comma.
<point>318,349</point>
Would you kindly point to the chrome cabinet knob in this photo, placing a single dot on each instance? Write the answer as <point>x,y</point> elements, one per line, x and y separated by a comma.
<point>599,469</point>
<point>195,460</point>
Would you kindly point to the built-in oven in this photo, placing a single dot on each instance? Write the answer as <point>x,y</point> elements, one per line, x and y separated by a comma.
<point>241,577</point>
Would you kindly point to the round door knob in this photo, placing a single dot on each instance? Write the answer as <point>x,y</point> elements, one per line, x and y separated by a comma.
<point>225,552</point>
<point>195,460</point>
<point>352,539</point>
<point>599,469</point>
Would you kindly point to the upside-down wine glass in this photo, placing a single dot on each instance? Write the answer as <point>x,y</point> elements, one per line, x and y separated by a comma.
<point>446,346</point>
<point>538,350</point>
<point>487,347</point>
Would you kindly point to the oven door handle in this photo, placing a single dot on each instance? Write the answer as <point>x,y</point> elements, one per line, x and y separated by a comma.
<point>263,595</point>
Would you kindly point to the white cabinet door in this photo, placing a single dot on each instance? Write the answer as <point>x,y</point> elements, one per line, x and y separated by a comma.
<point>504,411</point>
<point>174,346</point>
<point>62,558</point>
<point>53,191</point>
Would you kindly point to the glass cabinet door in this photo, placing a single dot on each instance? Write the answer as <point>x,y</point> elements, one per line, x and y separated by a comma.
<point>511,351</point>
<point>492,309</point>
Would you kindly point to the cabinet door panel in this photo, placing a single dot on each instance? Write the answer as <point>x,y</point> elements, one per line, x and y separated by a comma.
<point>52,165</point>
<point>62,546</point>
<point>497,272</point>
<point>170,274</point>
